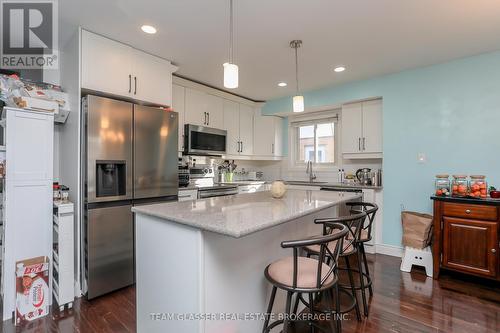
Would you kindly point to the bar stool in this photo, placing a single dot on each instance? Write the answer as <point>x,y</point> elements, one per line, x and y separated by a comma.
<point>366,235</point>
<point>354,224</point>
<point>301,275</point>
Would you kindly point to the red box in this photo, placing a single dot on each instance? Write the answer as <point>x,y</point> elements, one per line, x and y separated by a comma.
<point>32,289</point>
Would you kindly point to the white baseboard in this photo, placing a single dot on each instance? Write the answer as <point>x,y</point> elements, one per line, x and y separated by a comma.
<point>390,250</point>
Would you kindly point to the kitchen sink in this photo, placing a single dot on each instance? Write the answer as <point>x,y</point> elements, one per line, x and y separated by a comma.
<point>304,182</point>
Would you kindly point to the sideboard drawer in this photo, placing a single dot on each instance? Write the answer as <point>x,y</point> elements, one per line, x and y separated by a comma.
<point>479,212</point>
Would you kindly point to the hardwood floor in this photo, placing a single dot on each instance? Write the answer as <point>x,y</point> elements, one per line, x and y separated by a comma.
<point>402,302</point>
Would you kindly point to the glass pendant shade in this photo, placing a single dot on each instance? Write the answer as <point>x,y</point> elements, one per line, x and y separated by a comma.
<point>298,103</point>
<point>230,75</point>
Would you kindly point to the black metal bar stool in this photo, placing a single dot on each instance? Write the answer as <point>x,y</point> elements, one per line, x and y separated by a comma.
<point>365,236</point>
<point>354,224</point>
<point>301,275</point>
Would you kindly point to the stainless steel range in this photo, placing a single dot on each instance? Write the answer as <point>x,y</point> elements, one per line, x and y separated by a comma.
<point>202,177</point>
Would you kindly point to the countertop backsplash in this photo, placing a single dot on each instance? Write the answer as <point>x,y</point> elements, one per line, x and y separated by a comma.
<point>273,170</point>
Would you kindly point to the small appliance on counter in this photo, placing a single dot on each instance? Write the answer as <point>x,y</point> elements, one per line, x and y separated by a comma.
<point>364,176</point>
<point>183,176</point>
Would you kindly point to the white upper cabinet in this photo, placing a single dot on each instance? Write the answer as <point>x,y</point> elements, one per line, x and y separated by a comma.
<point>362,130</point>
<point>372,126</point>
<point>215,111</point>
<point>204,109</point>
<point>238,122</point>
<point>118,69</point>
<point>268,133</point>
<point>178,104</point>
<point>246,129</point>
<point>152,81</point>
<point>278,137</point>
<point>106,65</point>
<point>232,126</point>
<point>196,107</point>
<point>352,119</point>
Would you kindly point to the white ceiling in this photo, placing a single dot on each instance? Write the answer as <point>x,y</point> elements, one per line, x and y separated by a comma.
<point>369,37</point>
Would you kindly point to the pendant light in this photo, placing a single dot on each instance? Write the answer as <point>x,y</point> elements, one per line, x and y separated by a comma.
<point>298,99</point>
<point>230,69</point>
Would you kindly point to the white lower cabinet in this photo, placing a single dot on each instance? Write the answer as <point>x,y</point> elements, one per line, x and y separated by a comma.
<point>187,195</point>
<point>243,189</point>
<point>374,196</point>
<point>303,187</point>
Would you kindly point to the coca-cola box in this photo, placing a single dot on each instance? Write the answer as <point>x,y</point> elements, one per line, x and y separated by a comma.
<point>32,289</point>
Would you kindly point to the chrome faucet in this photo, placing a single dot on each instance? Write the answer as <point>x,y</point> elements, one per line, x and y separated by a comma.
<point>309,171</point>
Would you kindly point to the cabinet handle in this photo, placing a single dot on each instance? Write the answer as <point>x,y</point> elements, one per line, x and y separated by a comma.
<point>239,146</point>
<point>364,143</point>
<point>129,83</point>
<point>359,144</point>
<point>135,85</point>
<point>493,251</point>
<point>272,148</point>
<point>241,149</point>
<point>208,118</point>
<point>467,211</point>
<point>205,120</point>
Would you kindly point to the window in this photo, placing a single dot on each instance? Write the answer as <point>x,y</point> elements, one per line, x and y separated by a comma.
<point>314,140</point>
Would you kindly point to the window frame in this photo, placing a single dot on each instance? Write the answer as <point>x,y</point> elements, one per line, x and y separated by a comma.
<point>314,119</point>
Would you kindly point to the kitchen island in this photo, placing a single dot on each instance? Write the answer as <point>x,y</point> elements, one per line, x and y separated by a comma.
<point>200,264</point>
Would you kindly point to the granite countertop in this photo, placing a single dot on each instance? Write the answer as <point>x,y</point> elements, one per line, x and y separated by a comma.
<point>306,183</point>
<point>241,215</point>
<point>468,200</point>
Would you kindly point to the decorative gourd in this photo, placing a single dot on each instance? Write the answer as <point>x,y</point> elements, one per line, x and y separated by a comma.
<point>278,189</point>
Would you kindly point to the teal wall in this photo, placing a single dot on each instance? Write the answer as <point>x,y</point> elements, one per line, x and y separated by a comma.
<point>450,112</point>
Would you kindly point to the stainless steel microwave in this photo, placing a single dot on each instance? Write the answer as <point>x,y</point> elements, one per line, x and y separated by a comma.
<point>200,140</point>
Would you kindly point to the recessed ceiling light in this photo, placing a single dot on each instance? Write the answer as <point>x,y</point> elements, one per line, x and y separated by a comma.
<point>339,69</point>
<point>282,84</point>
<point>148,29</point>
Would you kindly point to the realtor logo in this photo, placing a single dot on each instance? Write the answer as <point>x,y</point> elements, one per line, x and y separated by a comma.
<point>29,34</point>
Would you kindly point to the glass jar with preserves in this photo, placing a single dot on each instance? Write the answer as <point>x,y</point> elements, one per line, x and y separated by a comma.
<point>478,186</point>
<point>460,186</point>
<point>442,185</point>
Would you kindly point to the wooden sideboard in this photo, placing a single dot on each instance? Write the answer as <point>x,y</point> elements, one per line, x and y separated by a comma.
<point>466,236</point>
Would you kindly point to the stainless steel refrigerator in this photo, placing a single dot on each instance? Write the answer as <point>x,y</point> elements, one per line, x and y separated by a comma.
<point>129,157</point>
